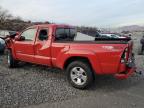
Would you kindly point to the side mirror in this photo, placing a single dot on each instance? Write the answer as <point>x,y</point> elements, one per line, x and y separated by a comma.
<point>17,38</point>
<point>22,38</point>
<point>17,33</point>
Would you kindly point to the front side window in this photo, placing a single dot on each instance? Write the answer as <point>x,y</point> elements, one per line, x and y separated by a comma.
<point>29,34</point>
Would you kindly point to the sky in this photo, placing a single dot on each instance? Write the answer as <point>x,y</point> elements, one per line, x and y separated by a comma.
<point>100,13</point>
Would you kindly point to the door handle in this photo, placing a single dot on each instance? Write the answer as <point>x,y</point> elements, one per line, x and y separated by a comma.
<point>66,47</point>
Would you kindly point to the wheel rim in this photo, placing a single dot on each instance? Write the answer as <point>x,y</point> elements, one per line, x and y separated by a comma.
<point>78,75</point>
<point>8,60</point>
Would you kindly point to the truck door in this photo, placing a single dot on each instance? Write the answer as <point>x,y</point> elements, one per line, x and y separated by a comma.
<point>25,48</point>
<point>42,47</point>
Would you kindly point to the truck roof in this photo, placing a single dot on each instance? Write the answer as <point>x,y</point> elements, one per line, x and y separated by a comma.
<point>52,25</point>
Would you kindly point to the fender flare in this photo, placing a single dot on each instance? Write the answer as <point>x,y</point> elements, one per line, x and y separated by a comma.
<point>90,55</point>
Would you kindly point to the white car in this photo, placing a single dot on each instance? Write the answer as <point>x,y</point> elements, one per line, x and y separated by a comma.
<point>112,36</point>
<point>3,33</point>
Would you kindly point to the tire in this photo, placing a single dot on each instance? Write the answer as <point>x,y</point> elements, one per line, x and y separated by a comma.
<point>10,60</point>
<point>79,74</point>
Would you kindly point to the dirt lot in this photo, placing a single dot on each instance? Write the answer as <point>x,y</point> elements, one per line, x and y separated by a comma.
<point>40,87</point>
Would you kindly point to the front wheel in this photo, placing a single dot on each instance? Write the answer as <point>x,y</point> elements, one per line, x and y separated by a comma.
<point>79,74</point>
<point>10,60</point>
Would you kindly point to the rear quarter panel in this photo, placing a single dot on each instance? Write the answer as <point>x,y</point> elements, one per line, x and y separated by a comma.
<point>104,58</point>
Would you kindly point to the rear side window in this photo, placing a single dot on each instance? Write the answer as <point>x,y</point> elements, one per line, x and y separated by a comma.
<point>43,34</point>
<point>65,34</point>
<point>59,33</point>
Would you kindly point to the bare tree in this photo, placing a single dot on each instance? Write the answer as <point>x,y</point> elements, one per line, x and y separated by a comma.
<point>9,22</point>
<point>4,16</point>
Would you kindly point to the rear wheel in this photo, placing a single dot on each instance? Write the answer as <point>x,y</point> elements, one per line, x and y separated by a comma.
<point>10,60</point>
<point>79,74</point>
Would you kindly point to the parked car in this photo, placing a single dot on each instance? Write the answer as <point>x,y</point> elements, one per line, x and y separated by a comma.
<point>111,36</point>
<point>80,55</point>
<point>4,33</point>
<point>2,45</point>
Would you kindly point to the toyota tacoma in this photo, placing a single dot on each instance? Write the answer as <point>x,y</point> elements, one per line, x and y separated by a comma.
<point>80,55</point>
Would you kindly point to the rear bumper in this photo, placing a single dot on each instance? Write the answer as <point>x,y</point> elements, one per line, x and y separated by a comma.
<point>125,75</point>
<point>129,69</point>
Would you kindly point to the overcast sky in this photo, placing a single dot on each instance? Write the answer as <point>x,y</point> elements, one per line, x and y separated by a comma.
<point>101,13</point>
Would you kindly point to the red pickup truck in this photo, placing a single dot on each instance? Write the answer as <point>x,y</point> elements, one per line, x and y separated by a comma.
<point>81,55</point>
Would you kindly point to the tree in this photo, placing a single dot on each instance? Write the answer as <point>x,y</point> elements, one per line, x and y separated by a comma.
<point>88,30</point>
<point>9,22</point>
<point>4,16</point>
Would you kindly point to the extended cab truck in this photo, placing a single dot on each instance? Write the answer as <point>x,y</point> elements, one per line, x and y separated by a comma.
<point>81,55</point>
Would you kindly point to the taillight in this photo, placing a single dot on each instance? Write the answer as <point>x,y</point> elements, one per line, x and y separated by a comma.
<point>124,56</point>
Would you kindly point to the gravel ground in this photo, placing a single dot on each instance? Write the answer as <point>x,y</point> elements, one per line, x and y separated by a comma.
<point>39,86</point>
